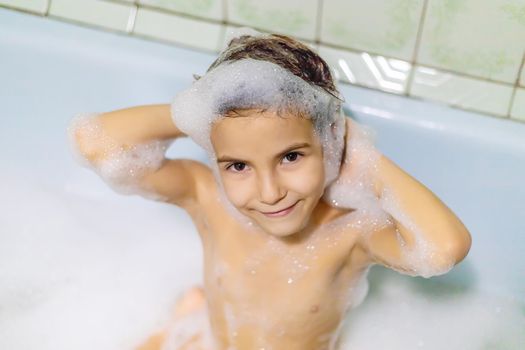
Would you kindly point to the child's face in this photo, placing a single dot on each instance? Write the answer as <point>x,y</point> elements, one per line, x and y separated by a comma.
<point>268,163</point>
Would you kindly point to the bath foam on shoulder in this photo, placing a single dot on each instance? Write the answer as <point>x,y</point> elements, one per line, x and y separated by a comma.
<point>120,166</point>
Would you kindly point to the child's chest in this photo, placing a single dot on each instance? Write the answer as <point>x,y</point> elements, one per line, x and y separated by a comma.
<point>265,283</point>
<point>256,284</point>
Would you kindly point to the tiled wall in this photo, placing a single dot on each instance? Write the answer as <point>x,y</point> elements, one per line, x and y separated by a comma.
<point>466,53</point>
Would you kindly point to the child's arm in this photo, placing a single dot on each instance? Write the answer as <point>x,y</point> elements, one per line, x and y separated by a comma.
<point>426,237</point>
<point>126,148</point>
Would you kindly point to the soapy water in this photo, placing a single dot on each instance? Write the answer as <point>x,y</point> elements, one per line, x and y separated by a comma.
<point>93,269</point>
<point>104,272</point>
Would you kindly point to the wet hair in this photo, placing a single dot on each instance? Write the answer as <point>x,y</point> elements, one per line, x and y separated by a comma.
<point>288,53</point>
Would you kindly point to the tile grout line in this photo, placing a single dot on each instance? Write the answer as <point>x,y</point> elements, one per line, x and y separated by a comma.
<point>225,13</point>
<point>415,53</point>
<point>48,8</point>
<point>319,18</point>
<point>516,86</point>
<point>222,34</point>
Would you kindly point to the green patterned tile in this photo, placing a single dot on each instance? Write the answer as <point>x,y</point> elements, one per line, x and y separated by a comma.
<point>201,8</point>
<point>464,92</point>
<point>518,107</point>
<point>484,38</point>
<point>292,17</point>
<point>385,27</point>
<point>176,29</point>
<point>38,6</point>
<point>102,13</point>
<point>232,31</point>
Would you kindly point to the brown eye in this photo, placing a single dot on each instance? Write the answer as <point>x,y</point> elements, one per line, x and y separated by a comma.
<point>292,156</point>
<point>237,166</point>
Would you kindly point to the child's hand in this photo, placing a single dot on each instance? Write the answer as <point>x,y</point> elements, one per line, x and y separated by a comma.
<point>361,158</point>
<point>356,184</point>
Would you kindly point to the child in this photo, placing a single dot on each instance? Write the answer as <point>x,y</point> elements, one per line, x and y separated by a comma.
<point>296,207</point>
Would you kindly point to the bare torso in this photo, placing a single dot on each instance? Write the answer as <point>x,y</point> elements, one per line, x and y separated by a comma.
<point>269,293</point>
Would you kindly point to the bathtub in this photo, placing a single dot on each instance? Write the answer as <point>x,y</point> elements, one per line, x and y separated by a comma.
<point>82,267</point>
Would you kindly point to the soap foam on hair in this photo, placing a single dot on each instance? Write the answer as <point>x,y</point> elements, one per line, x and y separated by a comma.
<point>250,83</point>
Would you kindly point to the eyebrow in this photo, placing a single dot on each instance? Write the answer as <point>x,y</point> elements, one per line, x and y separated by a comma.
<point>292,147</point>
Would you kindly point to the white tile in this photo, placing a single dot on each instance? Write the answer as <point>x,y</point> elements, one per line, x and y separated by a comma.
<point>518,107</point>
<point>233,31</point>
<point>212,9</point>
<point>385,27</point>
<point>185,31</point>
<point>378,72</point>
<point>292,17</point>
<point>468,93</point>
<point>102,13</point>
<point>38,6</point>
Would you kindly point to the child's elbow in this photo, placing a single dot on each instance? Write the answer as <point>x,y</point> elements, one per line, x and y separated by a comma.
<point>452,252</point>
<point>460,243</point>
<point>86,145</point>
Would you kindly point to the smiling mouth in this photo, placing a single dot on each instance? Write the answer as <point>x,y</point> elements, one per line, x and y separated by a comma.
<point>282,212</point>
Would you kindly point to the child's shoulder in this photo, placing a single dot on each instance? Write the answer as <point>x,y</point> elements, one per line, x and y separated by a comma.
<point>204,185</point>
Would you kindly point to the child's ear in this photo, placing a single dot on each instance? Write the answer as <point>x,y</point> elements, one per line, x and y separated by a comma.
<point>335,125</point>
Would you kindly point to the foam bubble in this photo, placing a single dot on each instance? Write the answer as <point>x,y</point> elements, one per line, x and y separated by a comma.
<point>120,166</point>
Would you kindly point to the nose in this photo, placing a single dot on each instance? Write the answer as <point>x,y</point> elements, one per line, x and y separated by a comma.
<point>270,191</point>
